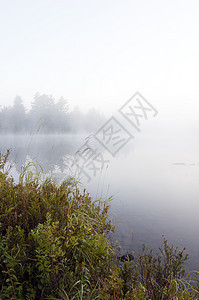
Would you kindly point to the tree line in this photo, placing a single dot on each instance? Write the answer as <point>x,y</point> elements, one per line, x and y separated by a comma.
<point>46,116</point>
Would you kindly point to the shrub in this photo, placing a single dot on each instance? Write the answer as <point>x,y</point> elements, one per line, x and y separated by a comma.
<point>53,237</point>
<point>159,273</point>
<point>54,245</point>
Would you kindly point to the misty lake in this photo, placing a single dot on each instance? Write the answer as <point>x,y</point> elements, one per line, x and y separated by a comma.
<point>153,180</point>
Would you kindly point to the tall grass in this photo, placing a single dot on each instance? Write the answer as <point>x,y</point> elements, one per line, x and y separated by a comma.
<point>54,245</point>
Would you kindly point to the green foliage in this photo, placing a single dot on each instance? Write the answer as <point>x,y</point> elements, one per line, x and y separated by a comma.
<point>159,273</point>
<point>53,238</point>
<point>54,245</point>
<point>152,276</point>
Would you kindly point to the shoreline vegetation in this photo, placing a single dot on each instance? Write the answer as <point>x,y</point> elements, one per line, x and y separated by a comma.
<point>54,244</point>
<point>47,116</point>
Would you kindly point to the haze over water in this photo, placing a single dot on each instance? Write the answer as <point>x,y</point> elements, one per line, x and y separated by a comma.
<point>153,180</point>
<point>98,54</point>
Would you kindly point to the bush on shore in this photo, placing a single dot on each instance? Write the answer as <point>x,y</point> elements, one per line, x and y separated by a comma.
<point>54,245</point>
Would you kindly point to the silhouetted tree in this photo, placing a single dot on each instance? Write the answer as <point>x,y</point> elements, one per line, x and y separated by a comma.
<point>6,119</point>
<point>18,114</point>
<point>47,116</point>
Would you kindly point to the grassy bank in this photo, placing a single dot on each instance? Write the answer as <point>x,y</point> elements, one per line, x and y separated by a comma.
<point>54,245</point>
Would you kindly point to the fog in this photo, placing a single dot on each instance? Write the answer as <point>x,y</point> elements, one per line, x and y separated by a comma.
<point>45,116</point>
<point>73,65</point>
<point>153,179</point>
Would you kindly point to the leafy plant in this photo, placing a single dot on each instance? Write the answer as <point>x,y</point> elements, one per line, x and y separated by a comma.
<point>54,245</point>
<point>52,236</point>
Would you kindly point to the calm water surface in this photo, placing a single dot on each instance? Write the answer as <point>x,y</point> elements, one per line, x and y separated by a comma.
<point>154,182</point>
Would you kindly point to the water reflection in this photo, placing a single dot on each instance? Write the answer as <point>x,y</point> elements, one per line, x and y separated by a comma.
<point>49,151</point>
<point>152,195</point>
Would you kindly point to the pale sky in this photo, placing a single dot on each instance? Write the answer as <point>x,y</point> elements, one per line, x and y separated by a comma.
<point>99,53</point>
